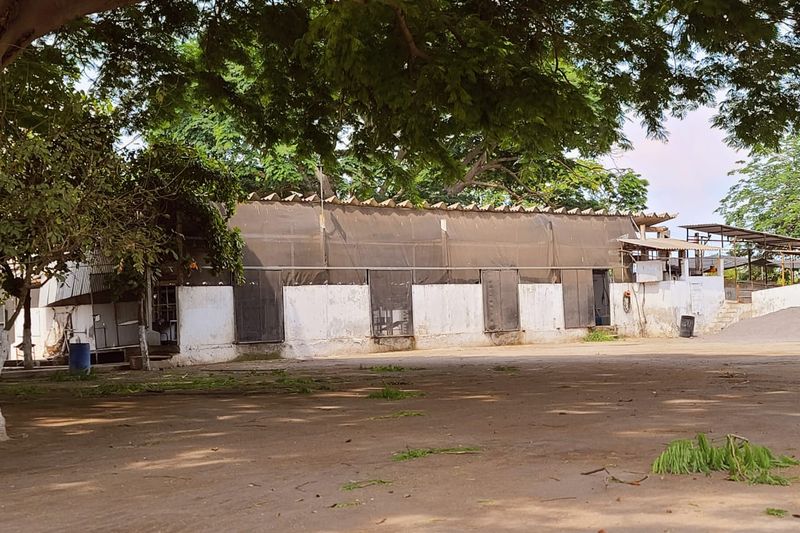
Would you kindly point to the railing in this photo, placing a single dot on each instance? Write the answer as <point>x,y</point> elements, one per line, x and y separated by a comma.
<point>743,290</point>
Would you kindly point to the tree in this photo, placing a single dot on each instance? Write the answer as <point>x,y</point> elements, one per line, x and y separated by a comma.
<point>767,196</point>
<point>59,177</point>
<point>68,195</point>
<point>187,201</point>
<point>497,178</point>
<point>557,76</point>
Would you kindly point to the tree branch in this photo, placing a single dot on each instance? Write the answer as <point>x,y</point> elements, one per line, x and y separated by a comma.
<point>408,36</point>
<point>23,21</point>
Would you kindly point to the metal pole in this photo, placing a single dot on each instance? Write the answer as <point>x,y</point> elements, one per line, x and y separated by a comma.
<point>322,236</point>
<point>783,270</point>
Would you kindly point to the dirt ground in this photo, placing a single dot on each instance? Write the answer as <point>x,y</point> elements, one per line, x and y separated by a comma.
<point>271,456</point>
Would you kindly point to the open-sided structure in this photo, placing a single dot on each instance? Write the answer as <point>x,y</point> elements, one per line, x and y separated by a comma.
<point>768,252</point>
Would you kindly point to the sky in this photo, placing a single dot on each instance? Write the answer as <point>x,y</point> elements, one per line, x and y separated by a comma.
<point>688,174</point>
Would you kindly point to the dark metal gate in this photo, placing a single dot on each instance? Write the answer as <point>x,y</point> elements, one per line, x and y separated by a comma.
<point>500,300</point>
<point>390,302</point>
<point>578,289</point>
<point>259,307</point>
<point>602,298</point>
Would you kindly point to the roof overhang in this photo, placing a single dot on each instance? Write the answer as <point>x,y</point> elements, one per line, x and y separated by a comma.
<point>759,238</point>
<point>668,244</point>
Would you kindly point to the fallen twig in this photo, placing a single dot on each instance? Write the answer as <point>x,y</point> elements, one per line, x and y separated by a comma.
<point>596,470</point>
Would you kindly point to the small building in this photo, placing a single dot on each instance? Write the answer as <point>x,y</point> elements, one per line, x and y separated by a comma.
<point>333,276</point>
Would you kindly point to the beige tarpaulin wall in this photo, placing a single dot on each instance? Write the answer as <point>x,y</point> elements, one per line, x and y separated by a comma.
<point>288,236</point>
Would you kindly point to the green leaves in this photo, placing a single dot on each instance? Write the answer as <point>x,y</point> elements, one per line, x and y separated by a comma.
<point>767,196</point>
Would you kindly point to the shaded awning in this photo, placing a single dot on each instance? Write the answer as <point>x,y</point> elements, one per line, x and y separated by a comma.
<point>760,238</point>
<point>668,244</point>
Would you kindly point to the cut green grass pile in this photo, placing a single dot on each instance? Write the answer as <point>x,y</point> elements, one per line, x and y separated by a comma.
<point>202,383</point>
<point>416,453</point>
<point>20,390</point>
<point>390,393</point>
<point>399,414</point>
<point>599,336</point>
<point>780,513</point>
<point>353,485</point>
<point>300,385</point>
<point>345,505</point>
<point>68,376</point>
<point>387,368</point>
<point>742,460</point>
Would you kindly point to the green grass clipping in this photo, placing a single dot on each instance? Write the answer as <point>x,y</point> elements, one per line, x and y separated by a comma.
<point>741,459</point>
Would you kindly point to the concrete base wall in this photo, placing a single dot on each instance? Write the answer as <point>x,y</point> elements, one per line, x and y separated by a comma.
<point>206,327</point>
<point>656,308</point>
<point>541,314</point>
<point>326,320</point>
<point>448,315</point>
<point>771,300</point>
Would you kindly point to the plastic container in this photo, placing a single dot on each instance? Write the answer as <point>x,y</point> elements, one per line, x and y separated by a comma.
<point>687,326</point>
<point>80,358</point>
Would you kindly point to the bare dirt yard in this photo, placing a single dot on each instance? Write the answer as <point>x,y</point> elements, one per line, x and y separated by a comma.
<point>495,439</point>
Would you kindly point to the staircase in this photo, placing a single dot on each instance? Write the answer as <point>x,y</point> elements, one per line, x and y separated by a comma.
<point>730,313</point>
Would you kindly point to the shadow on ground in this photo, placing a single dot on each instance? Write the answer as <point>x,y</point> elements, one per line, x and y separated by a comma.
<point>259,453</point>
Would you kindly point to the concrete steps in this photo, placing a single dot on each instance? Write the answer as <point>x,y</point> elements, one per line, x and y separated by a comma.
<point>730,313</point>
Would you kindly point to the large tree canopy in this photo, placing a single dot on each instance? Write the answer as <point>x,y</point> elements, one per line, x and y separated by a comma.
<point>767,196</point>
<point>548,77</point>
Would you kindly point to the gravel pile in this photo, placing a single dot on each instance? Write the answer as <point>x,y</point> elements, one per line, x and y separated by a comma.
<point>781,326</point>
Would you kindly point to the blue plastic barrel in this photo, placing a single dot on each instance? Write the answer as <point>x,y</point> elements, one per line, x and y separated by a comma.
<point>80,358</point>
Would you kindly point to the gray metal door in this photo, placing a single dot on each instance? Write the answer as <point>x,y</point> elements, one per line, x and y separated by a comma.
<point>578,291</point>
<point>391,303</point>
<point>259,307</point>
<point>500,300</point>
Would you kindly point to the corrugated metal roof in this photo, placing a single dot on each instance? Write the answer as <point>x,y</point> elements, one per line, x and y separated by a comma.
<point>668,244</point>
<point>640,217</point>
<point>747,235</point>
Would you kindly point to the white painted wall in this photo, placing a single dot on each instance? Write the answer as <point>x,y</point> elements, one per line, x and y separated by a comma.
<point>541,314</point>
<point>322,320</point>
<point>41,320</point>
<point>656,308</point>
<point>6,308</point>
<point>206,324</point>
<point>326,319</point>
<point>448,315</point>
<point>771,300</point>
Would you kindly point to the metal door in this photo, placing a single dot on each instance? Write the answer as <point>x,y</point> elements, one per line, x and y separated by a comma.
<point>259,307</point>
<point>500,300</point>
<point>578,293</point>
<point>390,301</point>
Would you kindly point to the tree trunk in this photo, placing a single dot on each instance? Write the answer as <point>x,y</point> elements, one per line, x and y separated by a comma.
<point>143,348</point>
<point>325,187</point>
<point>27,345</point>
<point>23,21</point>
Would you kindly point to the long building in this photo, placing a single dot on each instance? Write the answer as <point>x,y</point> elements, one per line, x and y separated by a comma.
<point>328,277</point>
